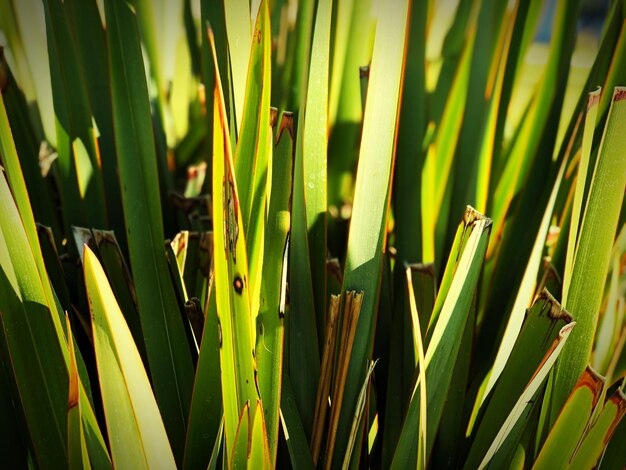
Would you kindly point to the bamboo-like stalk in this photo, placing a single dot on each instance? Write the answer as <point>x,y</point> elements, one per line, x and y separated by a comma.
<point>323,390</point>
<point>352,310</point>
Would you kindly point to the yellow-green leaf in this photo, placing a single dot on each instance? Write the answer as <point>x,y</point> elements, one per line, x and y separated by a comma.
<point>136,431</point>
<point>231,277</point>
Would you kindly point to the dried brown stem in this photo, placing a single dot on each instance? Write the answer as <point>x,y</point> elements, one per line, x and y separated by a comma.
<point>352,311</point>
<point>323,390</point>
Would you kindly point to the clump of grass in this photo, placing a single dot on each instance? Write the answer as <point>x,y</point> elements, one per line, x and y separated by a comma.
<point>310,234</point>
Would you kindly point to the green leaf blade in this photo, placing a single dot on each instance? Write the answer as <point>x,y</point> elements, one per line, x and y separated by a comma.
<point>160,313</point>
<point>371,199</point>
<point>28,342</point>
<point>138,437</point>
<point>593,251</point>
<point>232,287</point>
<point>444,344</point>
<point>270,321</point>
<point>205,413</point>
<point>314,155</point>
<point>542,338</point>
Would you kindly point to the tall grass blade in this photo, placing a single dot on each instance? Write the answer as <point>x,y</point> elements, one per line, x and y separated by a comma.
<point>593,251</point>
<point>205,412</point>
<point>581,180</point>
<point>421,363</point>
<point>406,202</point>
<point>26,143</point>
<point>351,49</point>
<point>90,42</point>
<point>439,159</point>
<point>524,295</point>
<point>114,264</point>
<point>371,198</point>
<point>21,235</point>
<point>15,179</point>
<point>358,416</point>
<point>493,30</point>
<point>252,151</point>
<point>296,73</point>
<point>33,347</point>
<point>314,155</point>
<point>137,434</point>
<point>238,368</point>
<point>531,163</point>
<point>81,188</point>
<point>304,356</point>
<point>270,320</point>
<point>444,344</point>
<point>606,343</point>
<point>542,108</point>
<point>239,30</point>
<point>159,310</point>
<point>30,20</point>
<point>501,73</point>
<point>409,152</point>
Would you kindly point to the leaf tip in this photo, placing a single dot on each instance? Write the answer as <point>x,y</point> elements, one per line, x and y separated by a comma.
<point>286,123</point>
<point>556,310</point>
<point>471,215</point>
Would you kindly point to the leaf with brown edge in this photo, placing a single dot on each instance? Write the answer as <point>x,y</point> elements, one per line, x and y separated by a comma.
<point>572,422</point>
<point>136,431</point>
<point>237,362</point>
